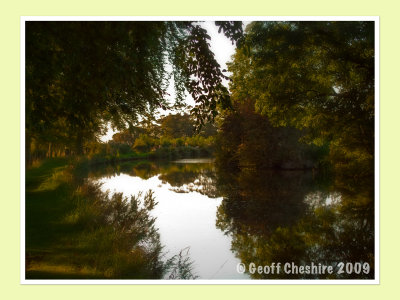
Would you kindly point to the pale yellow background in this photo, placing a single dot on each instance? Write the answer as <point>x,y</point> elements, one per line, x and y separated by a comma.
<point>10,141</point>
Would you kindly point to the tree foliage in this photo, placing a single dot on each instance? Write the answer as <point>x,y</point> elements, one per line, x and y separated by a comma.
<point>317,76</point>
<point>178,125</point>
<point>249,140</point>
<point>81,75</point>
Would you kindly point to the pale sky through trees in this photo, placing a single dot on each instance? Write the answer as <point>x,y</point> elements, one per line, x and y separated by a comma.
<point>222,48</point>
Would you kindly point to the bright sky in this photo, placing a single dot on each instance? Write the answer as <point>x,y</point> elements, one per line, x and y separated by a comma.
<point>220,44</point>
<point>223,50</point>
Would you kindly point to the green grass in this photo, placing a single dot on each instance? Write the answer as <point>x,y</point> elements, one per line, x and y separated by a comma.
<point>112,158</point>
<point>76,231</point>
<point>160,153</point>
<point>45,205</point>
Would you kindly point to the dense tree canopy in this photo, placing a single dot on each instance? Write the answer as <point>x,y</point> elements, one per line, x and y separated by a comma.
<point>249,140</point>
<point>82,75</point>
<point>317,76</point>
<point>178,125</point>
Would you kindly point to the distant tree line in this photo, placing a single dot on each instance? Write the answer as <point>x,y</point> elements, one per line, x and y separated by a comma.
<point>174,135</point>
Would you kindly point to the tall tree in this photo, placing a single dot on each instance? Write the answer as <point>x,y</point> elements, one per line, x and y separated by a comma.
<point>81,75</point>
<point>176,126</point>
<point>314,75</point>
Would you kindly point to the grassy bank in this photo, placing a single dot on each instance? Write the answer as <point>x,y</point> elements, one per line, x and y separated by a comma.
<point>165,152</point>
<point>76,231</point>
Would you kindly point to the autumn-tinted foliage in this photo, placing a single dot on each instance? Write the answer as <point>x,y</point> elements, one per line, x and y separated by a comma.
<point>249,140</point>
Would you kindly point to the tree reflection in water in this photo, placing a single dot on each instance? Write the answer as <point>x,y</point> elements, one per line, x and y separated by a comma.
<point>278,216</point>
<point>293,216</point>
<point>183,177</point>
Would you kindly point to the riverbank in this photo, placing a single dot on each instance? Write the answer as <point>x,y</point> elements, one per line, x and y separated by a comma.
<point>159,153</point>
<point>75,231</point>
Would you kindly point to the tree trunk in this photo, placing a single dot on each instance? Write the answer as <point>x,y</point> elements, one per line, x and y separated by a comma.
<point>28,153</point>
<point>49,151</point>
<point>79,144</point>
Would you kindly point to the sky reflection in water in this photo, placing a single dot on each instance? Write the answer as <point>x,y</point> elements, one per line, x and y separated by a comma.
<point>185,219</point>
<point>260,217</point>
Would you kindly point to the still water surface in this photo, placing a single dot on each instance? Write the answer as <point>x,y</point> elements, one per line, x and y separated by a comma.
<point>225,218</point>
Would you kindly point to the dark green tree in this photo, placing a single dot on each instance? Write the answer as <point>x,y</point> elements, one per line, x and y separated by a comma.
<point>82,75</point>
<point>317,76</point>
<point>249,140</point>
<point>178,125</point>
<point>128,136</point>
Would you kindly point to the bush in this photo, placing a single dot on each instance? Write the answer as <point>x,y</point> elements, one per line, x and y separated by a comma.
<point>144,143</point>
